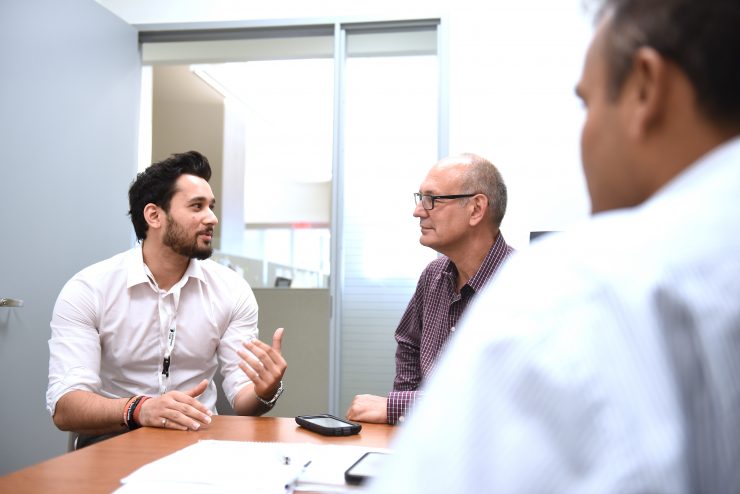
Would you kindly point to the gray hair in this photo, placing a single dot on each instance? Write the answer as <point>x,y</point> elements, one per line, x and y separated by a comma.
<point>482,177</point>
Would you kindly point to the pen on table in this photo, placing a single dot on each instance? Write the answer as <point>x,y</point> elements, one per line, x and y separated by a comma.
<point>293,481</point>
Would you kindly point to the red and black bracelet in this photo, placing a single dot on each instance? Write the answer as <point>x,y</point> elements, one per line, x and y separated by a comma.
<point>137,409</point>
<point>125,411</point>
<point>129,413</point>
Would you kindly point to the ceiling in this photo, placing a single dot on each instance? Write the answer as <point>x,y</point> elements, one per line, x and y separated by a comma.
<point>143,12</point>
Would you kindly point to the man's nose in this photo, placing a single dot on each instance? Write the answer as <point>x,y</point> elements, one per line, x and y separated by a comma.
<point>420,212</point>
<point>211,218</point>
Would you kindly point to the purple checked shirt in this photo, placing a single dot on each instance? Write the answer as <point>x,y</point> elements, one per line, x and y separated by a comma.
<point>429,320</point>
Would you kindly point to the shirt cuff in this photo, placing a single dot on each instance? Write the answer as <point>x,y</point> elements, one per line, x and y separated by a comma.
<point>399,402</point>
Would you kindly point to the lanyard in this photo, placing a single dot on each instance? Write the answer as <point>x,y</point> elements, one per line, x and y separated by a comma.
<point>167,319</point>
<point>164,377</point>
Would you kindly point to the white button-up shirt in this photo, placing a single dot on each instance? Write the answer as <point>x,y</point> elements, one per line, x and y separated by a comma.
<point>110,328</point>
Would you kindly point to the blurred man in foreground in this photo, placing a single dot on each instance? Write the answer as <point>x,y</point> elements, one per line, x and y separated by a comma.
<point>606,359</point>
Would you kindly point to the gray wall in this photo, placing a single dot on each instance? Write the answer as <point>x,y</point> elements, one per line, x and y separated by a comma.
<point>69,97</point>
<point>304,313</point>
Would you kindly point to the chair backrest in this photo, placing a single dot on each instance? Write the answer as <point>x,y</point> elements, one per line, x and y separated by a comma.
<point>71,441</point>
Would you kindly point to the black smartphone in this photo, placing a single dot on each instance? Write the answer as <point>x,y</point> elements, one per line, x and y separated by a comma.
<point>328,425</point>
<point>365,468</point>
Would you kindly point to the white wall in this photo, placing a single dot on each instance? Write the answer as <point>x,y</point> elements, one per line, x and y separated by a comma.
<point>512,76</point>
<point>314,200</point>
<point>513,67</point>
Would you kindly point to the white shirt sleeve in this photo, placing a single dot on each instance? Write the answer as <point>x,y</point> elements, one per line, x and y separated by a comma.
<point>74,347</point>
<point>242,328</point>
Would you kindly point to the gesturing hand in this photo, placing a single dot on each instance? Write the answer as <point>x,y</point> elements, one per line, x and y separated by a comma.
<point>176,410</point>
<point>264,364</point>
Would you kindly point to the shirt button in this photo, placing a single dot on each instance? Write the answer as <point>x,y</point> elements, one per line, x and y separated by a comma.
<point>452,329</point>
<point>401,418</point>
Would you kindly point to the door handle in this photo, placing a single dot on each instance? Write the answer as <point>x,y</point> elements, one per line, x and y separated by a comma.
<point>11,302</point>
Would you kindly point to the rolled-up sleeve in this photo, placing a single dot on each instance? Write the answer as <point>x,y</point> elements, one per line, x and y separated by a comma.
<point>242,328</point>
<point>74,346</point>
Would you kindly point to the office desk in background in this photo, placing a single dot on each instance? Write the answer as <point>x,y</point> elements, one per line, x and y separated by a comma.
<point>100,467</point>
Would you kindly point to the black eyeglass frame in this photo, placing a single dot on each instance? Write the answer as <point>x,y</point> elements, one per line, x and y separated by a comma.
<point>419,198</point>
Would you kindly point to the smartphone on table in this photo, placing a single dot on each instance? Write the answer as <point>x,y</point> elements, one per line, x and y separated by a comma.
<point>367,467</point>
<point>328,425</point>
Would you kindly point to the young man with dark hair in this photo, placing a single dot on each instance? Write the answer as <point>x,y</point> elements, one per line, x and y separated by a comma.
<point>136,339</point>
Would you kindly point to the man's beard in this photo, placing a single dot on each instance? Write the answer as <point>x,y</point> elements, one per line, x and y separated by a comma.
<point>176,238</point>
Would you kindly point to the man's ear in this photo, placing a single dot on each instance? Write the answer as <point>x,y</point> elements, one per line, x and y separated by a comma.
<point>153,215</point>
<point>480,205</point>
<point>647,88</point>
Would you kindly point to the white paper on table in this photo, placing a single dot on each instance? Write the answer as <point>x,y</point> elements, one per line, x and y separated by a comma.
<point>329,461</point>
<point>257,467</point>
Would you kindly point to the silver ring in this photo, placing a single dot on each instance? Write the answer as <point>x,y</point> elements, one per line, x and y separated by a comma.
<point>164,423</point>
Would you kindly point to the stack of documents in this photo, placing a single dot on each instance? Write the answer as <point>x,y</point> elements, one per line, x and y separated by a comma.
<point>269,468</point>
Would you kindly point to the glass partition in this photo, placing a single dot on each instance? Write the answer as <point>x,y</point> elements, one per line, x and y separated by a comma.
<point>390,141</point>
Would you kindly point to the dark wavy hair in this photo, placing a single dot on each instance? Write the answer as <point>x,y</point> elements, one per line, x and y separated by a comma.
<point>156,185</point>
<point>702,37</point>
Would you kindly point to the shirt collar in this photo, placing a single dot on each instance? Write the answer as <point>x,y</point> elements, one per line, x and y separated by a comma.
<point>496,255</point>
<point>137,271</point>
<point>725,155</point>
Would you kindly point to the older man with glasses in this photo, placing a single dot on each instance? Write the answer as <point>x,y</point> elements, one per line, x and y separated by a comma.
<point>460,206</point>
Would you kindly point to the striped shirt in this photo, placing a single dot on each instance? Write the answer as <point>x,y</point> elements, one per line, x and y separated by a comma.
<point>430,318</point>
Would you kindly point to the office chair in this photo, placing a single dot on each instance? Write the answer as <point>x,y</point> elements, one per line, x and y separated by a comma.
<point>71,441</point>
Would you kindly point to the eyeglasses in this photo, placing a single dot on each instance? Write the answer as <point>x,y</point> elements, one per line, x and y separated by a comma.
<point>427,201</point>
